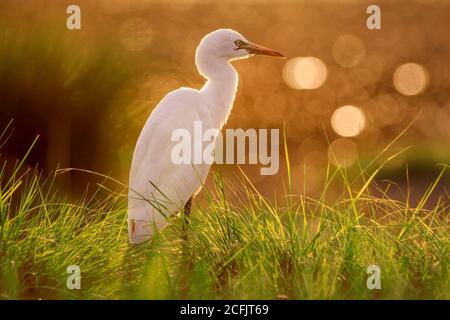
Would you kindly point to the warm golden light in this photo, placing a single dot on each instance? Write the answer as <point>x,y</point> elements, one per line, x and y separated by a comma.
<point>349,51</point>
<point>122,6</point>
<point>443,122</point>
<point>135,34</point>
<point>410,79</point>
<point>388,109</point>
<point>343,152</point>
<point>306,178</point>
<point>312,151</point>
<point>348,121</point>
<point>305,73</point>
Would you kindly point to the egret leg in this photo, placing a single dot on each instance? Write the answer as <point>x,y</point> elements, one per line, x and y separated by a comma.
<point>187,259</point>
<point>187,211</point>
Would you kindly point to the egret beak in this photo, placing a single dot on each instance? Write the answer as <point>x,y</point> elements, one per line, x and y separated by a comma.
<point>257,49</point>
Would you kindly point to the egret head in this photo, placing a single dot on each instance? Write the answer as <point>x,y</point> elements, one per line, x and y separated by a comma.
<point>228,45</point>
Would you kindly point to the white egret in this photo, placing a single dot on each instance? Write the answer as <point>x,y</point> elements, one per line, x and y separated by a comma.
<point>158,187</point>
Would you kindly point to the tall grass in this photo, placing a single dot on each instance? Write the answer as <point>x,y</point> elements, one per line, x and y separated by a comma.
<point>239,244</point>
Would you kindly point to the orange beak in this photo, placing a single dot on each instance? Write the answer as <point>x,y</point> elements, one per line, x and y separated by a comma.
<point>257,49</point>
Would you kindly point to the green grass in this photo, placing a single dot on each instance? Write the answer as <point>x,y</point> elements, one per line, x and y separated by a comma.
<point>239,244</point>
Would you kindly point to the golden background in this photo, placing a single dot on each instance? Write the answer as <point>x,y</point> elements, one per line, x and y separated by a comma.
<point>88,92</point>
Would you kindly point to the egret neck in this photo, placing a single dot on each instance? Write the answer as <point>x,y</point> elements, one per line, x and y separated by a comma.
<point>220,88</point>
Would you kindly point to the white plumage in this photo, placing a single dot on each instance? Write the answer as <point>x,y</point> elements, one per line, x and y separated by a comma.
<point>157,186</point>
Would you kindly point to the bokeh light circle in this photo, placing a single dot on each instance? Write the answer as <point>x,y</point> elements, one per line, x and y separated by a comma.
<point>342,152</point>
<point>135,34</point>
<point>348,121</point>
<point>349,51</point>
<point>410,79</point>
<point>305,73</point>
